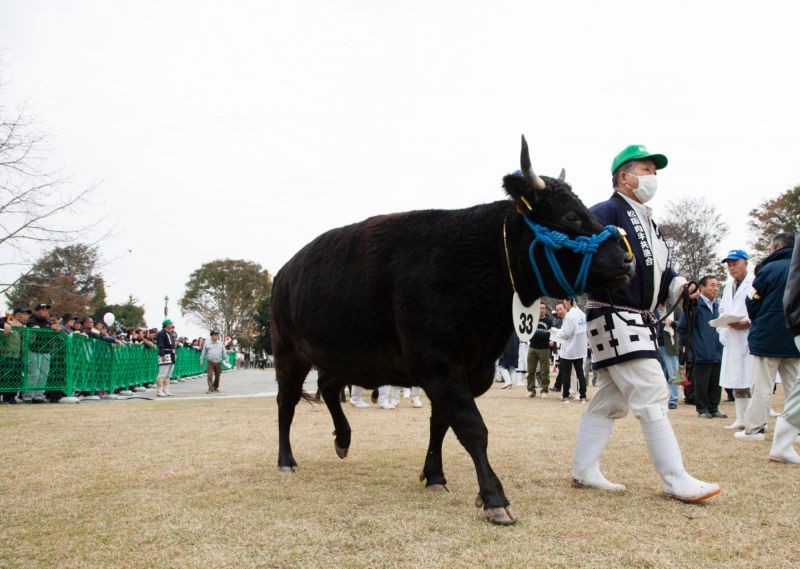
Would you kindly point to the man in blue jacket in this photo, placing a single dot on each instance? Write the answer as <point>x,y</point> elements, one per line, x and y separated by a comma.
<point>705,354</point>
<point>771,344</point>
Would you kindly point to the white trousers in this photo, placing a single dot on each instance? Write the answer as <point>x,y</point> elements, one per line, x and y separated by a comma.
<point>637,385</point>
<point>507,374</point>
<point>357,394</point>
<point>764,371</point>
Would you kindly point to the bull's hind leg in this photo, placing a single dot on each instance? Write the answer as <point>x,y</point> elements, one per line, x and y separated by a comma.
<point>331,389</point>
<point>290,372</point>
<point>432,472</point>
<point>459,410</point>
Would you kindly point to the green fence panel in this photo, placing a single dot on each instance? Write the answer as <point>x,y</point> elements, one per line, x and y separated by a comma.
<point>33,360</point>
<point>13,360</point>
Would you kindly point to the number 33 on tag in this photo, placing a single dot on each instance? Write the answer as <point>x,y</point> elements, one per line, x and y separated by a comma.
<point>526,318</point>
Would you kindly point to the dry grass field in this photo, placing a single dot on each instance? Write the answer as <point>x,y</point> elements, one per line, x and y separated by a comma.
<point>195,484</point>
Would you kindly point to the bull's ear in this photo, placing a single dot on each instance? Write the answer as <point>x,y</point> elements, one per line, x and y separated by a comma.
<point>519,189</point>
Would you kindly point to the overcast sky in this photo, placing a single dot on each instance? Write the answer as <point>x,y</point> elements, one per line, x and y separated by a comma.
<point>243,129</point>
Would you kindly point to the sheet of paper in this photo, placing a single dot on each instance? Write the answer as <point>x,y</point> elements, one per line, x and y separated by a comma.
<point>724,320</point>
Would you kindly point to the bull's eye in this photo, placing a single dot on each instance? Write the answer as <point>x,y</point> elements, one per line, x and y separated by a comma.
<point>571,217</point>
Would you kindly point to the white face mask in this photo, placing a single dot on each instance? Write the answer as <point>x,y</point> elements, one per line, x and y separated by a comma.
<point>648,184</point>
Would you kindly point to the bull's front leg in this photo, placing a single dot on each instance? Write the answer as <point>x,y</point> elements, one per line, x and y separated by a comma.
<point>432,472</point>
<point>459,410</point>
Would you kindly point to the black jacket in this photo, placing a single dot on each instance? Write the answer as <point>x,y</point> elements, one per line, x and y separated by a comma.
<point>768,336</point>
<point>706,347</point>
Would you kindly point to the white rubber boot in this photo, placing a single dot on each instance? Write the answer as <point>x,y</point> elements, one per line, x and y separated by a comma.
<point>416,401</point>
<point>357,397</point>
<point>383,397</point>
<point>590,443</point>
<point>741,408</point>
<point>782,449</point>
<point>666,457</point>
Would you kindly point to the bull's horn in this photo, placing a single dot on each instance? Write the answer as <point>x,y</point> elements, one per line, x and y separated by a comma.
<point>527,170</point>
<point>563,175</point>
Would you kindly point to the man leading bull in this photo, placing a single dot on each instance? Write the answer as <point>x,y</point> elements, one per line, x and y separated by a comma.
<point>621,332</point>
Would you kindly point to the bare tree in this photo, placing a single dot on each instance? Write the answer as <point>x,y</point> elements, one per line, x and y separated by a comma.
<point>31,199</point>
<point>693,229</point>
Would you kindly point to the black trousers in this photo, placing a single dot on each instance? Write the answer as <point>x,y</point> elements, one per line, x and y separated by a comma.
<point>705,380</point>
<point>565,368</point>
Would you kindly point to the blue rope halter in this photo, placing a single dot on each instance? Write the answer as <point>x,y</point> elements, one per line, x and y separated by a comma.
<point>554,240</point>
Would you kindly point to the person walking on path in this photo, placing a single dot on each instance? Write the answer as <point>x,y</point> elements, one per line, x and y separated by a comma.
<point>771,344</point>
<point>165,340</point>
<point>737,363</point>
<point>214,353</point>
<point>621,329</point>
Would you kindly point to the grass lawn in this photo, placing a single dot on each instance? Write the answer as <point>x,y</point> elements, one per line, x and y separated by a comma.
<point>195,484</point>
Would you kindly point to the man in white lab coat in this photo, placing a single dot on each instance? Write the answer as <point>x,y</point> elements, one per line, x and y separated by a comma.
<point>737,363</point>
<point>574,343</point>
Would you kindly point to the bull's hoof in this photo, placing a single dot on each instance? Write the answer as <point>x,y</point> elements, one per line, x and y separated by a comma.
<point>436,488</point>
<point>287,468</point>
<point>341,452</point>
<point>500,516</point>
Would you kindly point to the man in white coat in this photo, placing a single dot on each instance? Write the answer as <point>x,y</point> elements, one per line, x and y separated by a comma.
<point>574,344</point>
<point>737,363</point>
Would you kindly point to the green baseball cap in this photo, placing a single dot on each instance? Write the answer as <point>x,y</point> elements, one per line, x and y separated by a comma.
<point>637,152</point>
<point>166,322</point>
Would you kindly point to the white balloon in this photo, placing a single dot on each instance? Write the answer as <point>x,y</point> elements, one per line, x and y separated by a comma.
<point>109,319</point>
<point>235,342</point>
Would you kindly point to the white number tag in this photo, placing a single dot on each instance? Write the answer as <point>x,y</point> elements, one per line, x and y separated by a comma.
<point>526,318</point>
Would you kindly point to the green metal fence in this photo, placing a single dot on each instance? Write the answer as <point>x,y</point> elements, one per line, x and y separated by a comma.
<point>33,359</point>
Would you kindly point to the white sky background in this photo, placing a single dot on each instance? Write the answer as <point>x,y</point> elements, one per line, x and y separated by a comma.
<point>244,129</point>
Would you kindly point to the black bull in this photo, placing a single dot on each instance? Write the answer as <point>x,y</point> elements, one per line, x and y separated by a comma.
<point>424,298</point>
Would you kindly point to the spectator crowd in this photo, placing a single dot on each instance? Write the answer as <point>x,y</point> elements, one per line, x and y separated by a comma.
<point>38,364</point>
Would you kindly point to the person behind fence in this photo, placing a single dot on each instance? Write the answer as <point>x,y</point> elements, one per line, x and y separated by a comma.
<point>38,355</point>
<point>165,340</point>
<point>12,349</point>
<point>67,322</point>
<point>705,351</point>
<point>771,344</point>
<point>214,352</point>
<point>621,331</point>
